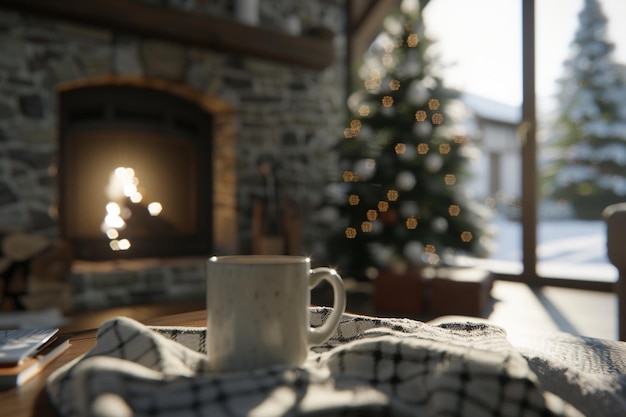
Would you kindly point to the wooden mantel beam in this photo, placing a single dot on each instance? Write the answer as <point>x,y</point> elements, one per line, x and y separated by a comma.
<point>312,51</point>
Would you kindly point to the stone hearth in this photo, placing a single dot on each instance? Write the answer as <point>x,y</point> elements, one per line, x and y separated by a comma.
<point>286,112</point>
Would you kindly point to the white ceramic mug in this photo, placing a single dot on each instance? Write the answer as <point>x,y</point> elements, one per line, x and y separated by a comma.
<point>258,310</point>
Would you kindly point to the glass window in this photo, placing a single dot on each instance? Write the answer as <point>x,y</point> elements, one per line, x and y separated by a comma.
<point>481,56</point>
<point>571,233</point>
<point>480,47</point>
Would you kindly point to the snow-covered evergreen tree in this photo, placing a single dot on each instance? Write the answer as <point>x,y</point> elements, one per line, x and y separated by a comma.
<point>590,133</point>
<point>401,196</point>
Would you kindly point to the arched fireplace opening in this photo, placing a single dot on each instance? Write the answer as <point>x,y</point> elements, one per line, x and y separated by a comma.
<point>135,171</point>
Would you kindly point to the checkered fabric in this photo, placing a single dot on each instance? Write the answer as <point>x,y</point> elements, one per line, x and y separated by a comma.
<point>370,367</point>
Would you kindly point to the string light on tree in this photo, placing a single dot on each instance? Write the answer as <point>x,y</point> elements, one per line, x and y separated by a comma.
<point>467,236</point>
<point>348,176</point>
<point>450,179</point>
<point>405,161</point>
<point>412,40</point>
<point>437,118</point>
<point>454,210</point>
<point>433,104</point>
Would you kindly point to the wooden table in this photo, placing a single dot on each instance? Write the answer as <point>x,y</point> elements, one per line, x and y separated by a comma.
<point>30,400</point>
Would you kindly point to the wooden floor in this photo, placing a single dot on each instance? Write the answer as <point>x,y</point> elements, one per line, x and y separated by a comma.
<point>522,311</point>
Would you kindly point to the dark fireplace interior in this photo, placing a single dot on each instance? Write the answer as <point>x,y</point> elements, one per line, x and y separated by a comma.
<point>135,169</point>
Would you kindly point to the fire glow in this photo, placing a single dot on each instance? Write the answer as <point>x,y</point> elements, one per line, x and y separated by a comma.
<point>122,192</point>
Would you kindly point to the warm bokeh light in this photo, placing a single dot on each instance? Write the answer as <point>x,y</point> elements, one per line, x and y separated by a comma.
<point>420,115</point>
<point>454,210</point>
<point>354,200</point>
<point>113,209</point>
<point>444,148</point>
<point>387,101</point>
<point>412,40</point>
<point>136,197</point>
<point>350,232</point>
<point>155,208</point>
<point>366,227</point>
<point>437,118</point>
<point>119,179</point>
<point>433,104</point>
<point>459,139</point>
<point>374,80</point>
<point>430,249</point>
<point>348,176</point>
<point>372,215</point>
<point>119,245</point>
<point>364,110</point>
<point>467,236</point>
<point>383,206</point>
<point>422,148</point>
<point>387,60</point>
<point>450,179</point>
<point>394,85</point>
<point>400,148</point>
<point>114,220</point>
<point>355,128</point>
<point>392,195</point>
<point>122,189</point>
<point>411,223</point>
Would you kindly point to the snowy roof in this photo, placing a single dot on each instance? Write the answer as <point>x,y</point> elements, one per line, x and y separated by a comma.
<point>492,110</point>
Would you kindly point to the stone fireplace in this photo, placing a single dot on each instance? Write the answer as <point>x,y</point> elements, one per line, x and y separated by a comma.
<point>260,108</point>
<point>136,177</point>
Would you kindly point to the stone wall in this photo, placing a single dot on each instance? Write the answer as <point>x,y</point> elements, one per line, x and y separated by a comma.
<point>290,114</point>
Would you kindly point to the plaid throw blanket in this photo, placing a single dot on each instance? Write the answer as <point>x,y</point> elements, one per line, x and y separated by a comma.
<point>370,367</point>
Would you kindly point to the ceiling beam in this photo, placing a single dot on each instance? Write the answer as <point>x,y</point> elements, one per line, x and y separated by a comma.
<point>365,22</point>
<point>313,50</point>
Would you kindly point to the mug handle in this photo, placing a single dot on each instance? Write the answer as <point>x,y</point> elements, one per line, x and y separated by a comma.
<point>318,335</point>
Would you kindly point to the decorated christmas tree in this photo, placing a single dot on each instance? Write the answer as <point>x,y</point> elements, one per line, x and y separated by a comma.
<point>589,170</point>
<point>403,160</point>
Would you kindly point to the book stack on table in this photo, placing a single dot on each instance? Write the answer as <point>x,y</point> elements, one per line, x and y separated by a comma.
<point>25,352</point>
